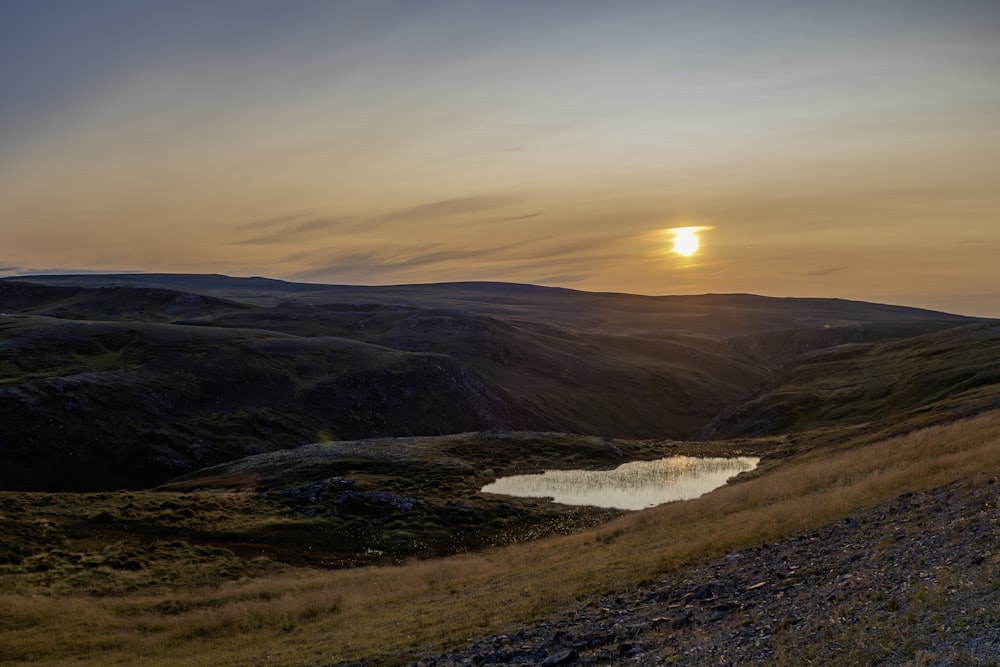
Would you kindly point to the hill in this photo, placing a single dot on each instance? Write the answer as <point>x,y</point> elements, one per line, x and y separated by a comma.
<point>914,381</point>
<point>259,512</point>
<point>718,315</point>
<point>97,404</point>
<point>136,381</point>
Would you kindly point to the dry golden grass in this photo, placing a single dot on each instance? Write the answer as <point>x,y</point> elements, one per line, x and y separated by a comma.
<point>318,617</point>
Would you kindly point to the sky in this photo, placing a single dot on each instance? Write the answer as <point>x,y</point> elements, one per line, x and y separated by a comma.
<point>835,149</point>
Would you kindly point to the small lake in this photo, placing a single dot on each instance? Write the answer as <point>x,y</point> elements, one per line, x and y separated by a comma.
<point>632,486</point>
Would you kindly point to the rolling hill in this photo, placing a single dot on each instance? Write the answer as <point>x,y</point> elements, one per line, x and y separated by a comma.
<point>138,378</point>
<point>187,519</point>
<point>917,381</point>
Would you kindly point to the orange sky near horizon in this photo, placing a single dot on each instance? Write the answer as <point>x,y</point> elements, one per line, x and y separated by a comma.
<point>827,149</point>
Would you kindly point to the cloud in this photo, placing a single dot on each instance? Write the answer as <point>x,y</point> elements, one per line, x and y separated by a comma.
<point>825,272</point>
<point>271,222</point>
<point>577,249</point>
<point>553,261</point>
<point>26,271</point>
<point>291,232</point>
<point>514,218</point>
<point>379,264</point>
<point>564,279</point>
<point>291,227</point>
<point>448,207</point>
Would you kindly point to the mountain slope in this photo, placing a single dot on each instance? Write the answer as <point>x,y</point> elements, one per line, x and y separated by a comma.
<point>135,382</point>
<point>87,405</point>
<point>919,380</point>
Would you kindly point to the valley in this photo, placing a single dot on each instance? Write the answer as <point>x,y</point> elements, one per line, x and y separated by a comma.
<point>192,460</point>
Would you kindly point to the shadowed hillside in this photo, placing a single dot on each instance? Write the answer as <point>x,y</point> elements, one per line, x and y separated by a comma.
<point>135,380</point>
<point>717,315</point>
<point>109,302</point>
<point>917,381</point>
<point>106,404</point>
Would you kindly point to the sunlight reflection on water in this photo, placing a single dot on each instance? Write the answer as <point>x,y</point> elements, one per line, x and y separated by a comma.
<point>631,486</point>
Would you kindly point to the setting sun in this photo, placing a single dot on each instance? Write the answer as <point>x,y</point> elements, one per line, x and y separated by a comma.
<point>686,241</point>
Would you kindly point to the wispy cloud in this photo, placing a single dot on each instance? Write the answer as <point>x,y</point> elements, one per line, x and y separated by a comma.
<point>448,208</point>
<point>514,218</point>
<point>538,260</point>
<point>278,220</point>
<point>561,280</point>
<point>374,263</point>
<point>296,231</point>
<point>825,272</point>
<point>296,226</point>
<point>26,271</point>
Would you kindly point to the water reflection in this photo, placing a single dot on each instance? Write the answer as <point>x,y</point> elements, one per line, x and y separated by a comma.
<point>631,486</point>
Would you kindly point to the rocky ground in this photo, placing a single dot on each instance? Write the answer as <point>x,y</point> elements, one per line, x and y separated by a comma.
<point>913,581</point>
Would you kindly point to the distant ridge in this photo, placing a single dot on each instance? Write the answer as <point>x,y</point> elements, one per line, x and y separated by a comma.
<point>263,290</point>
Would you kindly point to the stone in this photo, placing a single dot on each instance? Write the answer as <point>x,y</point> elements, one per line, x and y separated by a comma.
<point>564,658</point>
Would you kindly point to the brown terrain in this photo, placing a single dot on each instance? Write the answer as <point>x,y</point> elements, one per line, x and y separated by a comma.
<point>207,470</point>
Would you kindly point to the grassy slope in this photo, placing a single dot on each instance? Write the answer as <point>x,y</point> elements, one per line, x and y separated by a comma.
<point>918,381</point>
<point>303,616</point>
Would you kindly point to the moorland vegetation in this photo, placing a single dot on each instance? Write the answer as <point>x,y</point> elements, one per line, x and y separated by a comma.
<point>162,503</point>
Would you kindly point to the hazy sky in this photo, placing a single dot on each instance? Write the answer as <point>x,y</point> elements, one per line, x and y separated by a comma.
<point>847,148</point>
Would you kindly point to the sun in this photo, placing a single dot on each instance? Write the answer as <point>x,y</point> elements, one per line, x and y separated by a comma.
<point>686,241</point>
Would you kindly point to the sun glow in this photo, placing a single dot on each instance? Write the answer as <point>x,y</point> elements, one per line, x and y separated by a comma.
<point>686,241</point>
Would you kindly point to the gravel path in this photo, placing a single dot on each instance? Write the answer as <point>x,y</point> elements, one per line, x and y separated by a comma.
<point>913,581</point>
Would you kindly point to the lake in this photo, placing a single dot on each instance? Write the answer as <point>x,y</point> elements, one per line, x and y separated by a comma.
<point>632,486</point>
